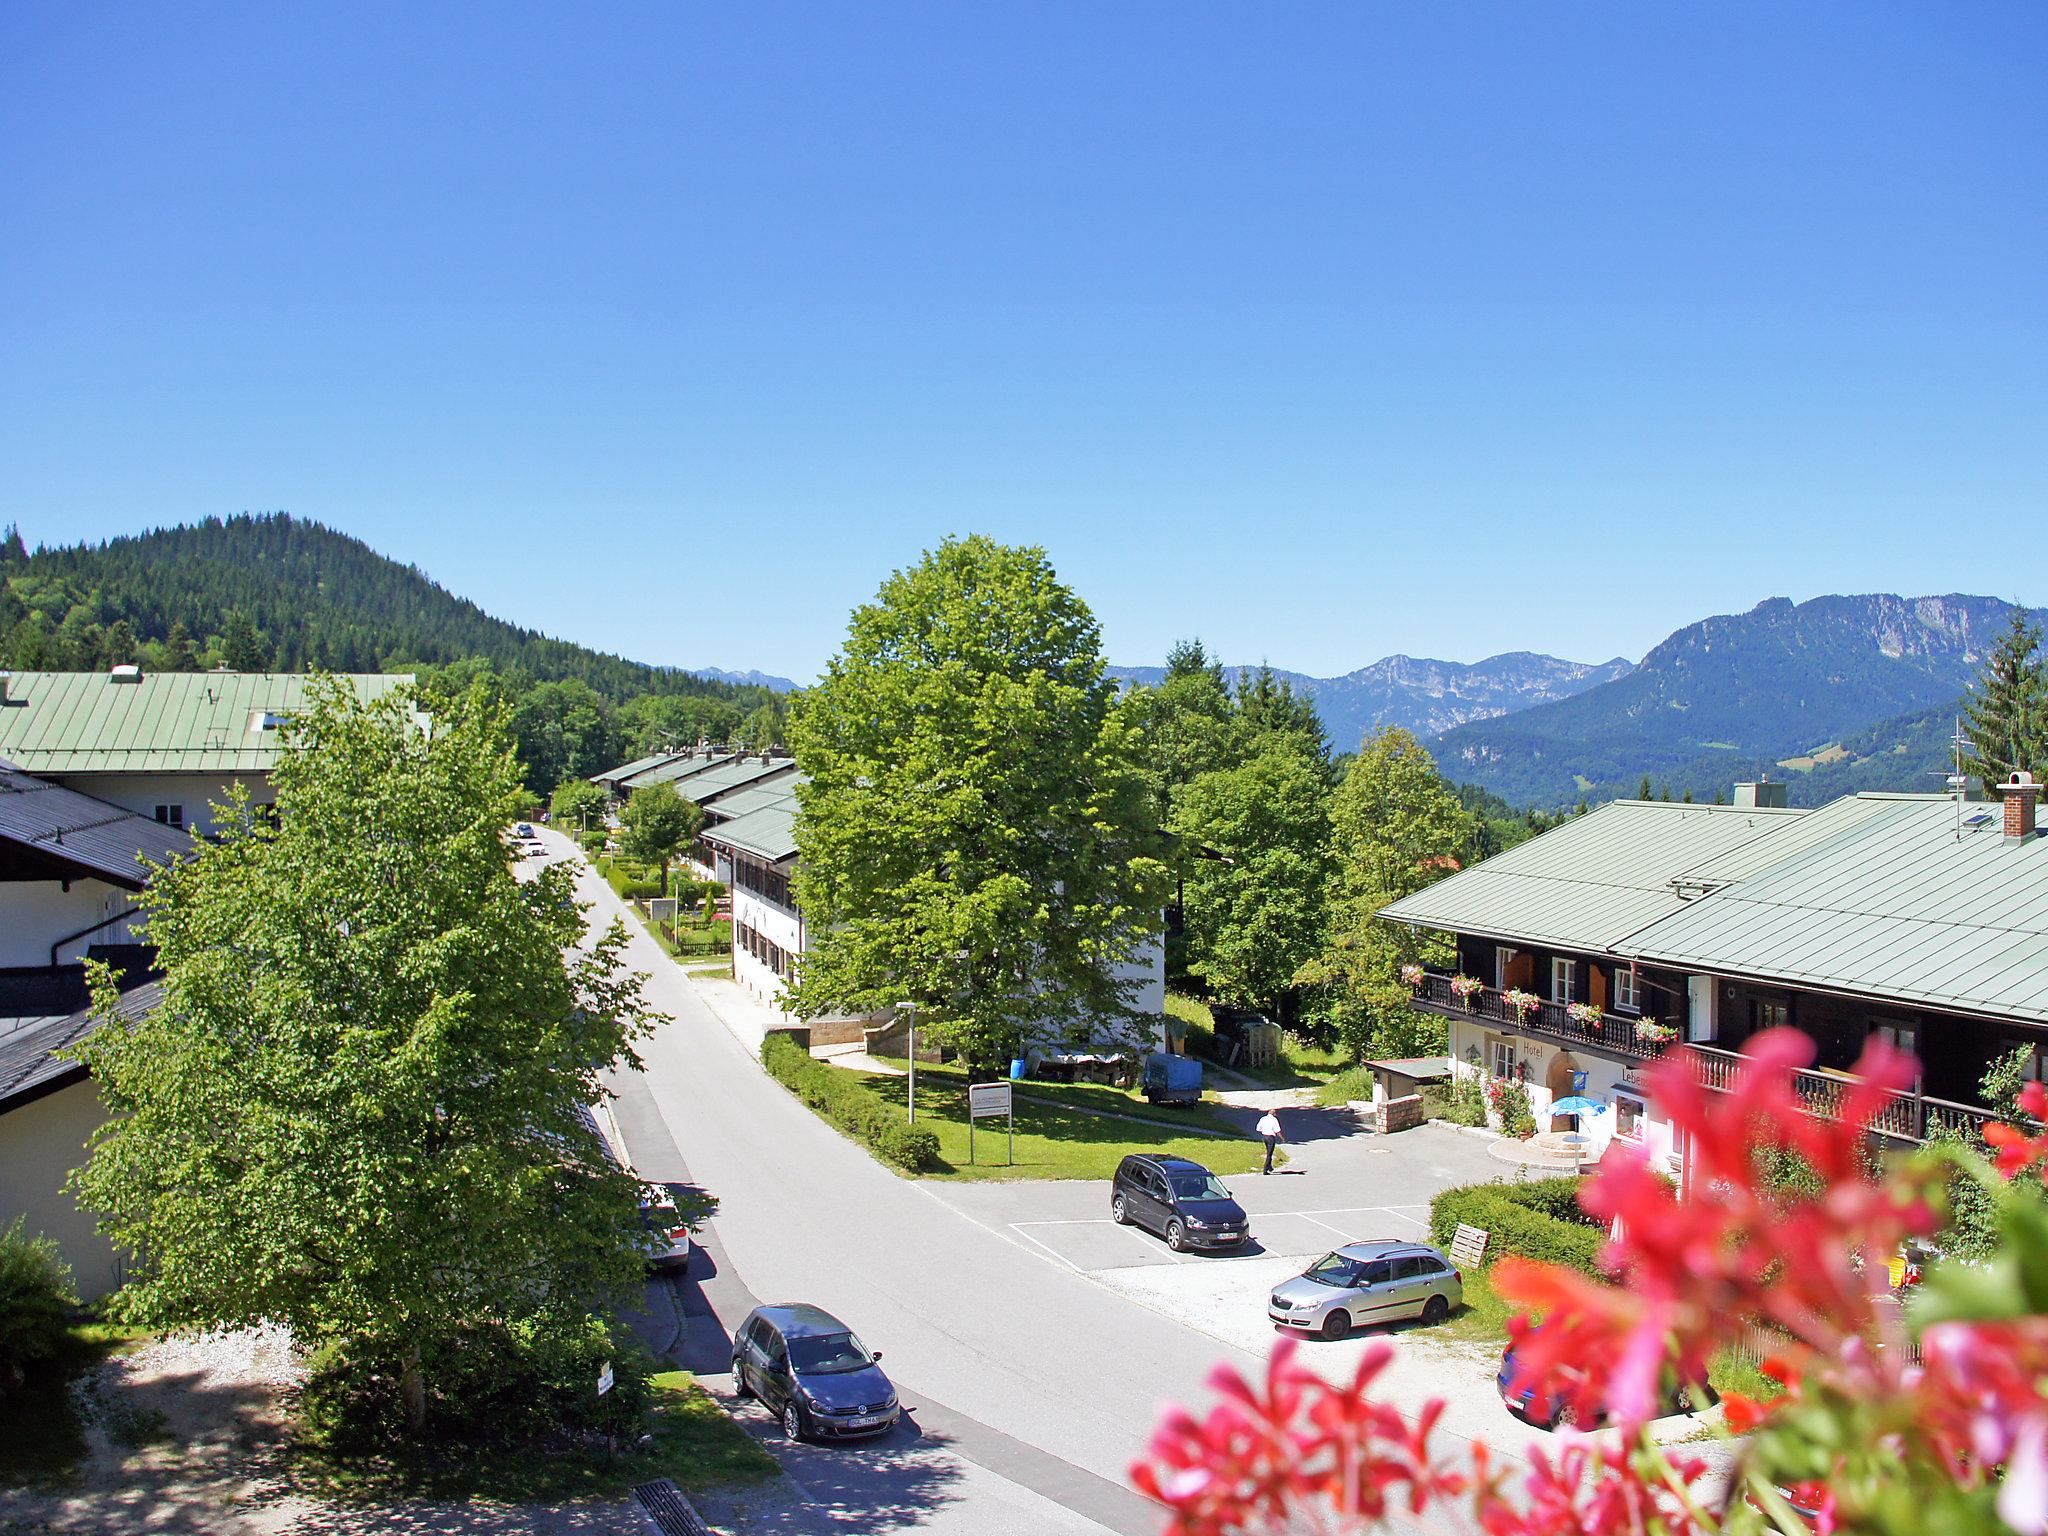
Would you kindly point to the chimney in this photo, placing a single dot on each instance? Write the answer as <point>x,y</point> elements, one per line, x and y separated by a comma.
<point>1763,795</point>
<point>2019,793</point>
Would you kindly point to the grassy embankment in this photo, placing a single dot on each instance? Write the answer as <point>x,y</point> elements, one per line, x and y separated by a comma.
<point>1063,1131</point>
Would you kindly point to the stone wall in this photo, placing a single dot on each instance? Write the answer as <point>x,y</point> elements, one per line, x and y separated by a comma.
<point>1402,1114</point>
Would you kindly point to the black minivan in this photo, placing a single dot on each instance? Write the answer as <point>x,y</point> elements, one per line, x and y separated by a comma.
<point>812,1373</point>
<point>1180,1200</point>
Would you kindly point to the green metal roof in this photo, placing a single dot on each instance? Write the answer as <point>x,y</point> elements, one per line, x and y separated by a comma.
<point>769,833</point>
<point>1593,881</point>
<point>672,769</point>
<point>164,722</point>
<point>743,802</point>
<point>1899,902</point>
<point>728,777</point>
<point>638,765</point>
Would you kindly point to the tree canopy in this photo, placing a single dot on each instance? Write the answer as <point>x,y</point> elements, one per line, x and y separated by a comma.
<point>657,824</point>
<point>977,835</point>
<point>360,1108</point>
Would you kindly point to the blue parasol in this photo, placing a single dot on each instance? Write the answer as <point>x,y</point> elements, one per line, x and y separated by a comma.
<point>1577,1106</point>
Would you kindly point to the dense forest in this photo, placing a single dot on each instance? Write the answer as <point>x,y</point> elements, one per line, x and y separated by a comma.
<point>278,593</point>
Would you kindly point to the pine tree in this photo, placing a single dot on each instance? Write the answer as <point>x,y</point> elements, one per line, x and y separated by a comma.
<point>12,549</point>
<point>240,646</point>
<point>1643,789</point>
<point>2006,726</point>
<point>179,656</point>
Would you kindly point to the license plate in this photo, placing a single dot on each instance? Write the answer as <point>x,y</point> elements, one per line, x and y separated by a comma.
<point>866,1421</point>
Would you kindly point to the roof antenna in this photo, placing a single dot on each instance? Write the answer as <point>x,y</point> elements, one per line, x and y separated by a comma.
<point>1958,782</point>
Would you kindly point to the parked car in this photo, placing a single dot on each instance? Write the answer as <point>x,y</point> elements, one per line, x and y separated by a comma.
<point>665,1236</point>
<point>809,1370</point>
<point>1370,1282</point>
<point>1538,1407</point>
<point>524,829</point>
<point>1172,1079</point>
<point>1180,1200</point>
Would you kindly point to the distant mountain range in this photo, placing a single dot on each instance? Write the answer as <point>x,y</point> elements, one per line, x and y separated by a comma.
<point>766,680</point>
<point>1832,695</point>
<point>1428,696</point>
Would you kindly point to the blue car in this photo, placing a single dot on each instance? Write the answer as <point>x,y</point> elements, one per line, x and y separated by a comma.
<point>809,1370</point>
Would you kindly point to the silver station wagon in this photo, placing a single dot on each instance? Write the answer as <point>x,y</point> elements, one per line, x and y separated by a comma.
<point>1366,1284</point>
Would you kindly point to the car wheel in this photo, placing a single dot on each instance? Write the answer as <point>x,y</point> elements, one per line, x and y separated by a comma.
<point>792,1420</point>
<point>739,1380</point>
<point>1564,1416</point>
<point>1117,1212</point>
<point>1337,1324</point>
<point>1176,1236</point>
<point>1435,1310</point>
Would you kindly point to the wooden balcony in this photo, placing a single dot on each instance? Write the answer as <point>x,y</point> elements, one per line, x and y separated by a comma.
<point>1906,1117</point>
<point>1615,1034</point>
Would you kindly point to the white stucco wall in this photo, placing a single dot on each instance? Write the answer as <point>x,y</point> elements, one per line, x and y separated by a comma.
<point>1540,1058</point>
<point>142,793</point>
<point>40,1143</point>
<point>36,913</point>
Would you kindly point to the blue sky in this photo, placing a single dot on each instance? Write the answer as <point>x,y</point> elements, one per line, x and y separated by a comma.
<point>1321,332</point>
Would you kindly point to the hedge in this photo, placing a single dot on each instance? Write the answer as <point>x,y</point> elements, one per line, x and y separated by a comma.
<point>1523,1219</point>
<point>845,1103</point>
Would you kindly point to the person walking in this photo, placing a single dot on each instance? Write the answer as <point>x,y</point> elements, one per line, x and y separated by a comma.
<point>1269,1132</point>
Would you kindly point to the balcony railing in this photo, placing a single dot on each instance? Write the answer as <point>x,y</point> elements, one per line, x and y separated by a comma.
<point>1903,1116</point>
<point>1615,1032</point>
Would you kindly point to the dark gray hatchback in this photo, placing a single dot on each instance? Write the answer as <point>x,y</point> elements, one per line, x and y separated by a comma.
<point>809,1370</point>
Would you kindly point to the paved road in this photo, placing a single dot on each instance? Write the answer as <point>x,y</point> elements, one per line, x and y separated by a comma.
<point>1035,1385</point>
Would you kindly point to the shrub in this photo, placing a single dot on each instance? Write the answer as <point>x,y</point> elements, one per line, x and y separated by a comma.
<point>839,1097</point>
<point>1462,1101</point>
<point>637,890</point>
<point>493,1384</point>
<point>1200,1022</point>
<point>909,1146</point>
<point>36,1303</point>
<point>1522,1219</point>
<point>1510,1100</point>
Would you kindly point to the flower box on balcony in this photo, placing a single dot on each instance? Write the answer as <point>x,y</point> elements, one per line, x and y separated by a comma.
<point>1651,1032</point>
<point>1466,988</point>
<point>1588,1016</point>
<point>1521,1004</point>
<point>1411,976</point>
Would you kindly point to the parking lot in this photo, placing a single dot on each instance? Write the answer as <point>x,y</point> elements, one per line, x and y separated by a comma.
<point>1093,1245</point>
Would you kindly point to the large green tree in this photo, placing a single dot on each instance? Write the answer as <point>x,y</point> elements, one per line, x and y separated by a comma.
<point>656,825</point>
<point>565,730</point>
<point>2006,726</point>
<point>360,1107</point>
<point>577,804</point>
<point>1254,904</point>
<point>976,831</point>
<point>1398,827</point>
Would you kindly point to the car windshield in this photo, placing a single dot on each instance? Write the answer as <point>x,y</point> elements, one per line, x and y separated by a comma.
<point>1334,1269</point>
<point>828,1354</point>
<point>1199,1186</point>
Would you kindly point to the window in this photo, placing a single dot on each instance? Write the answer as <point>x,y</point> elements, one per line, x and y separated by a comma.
<point>1503,1057</point>
<point>2031,1070</point>
<point>1627,990</point>
<point>171,815</point>
<point>1629,1114</point>
<point>1412,1269</point>
<point>1900,1036</point>
<point>1378,1272</point>
<point>1764,1014</point>
<point>1503,957</point>
<point>1561,980</point>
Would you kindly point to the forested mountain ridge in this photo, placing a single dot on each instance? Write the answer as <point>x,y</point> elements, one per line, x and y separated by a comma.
<point>1838,693</point>
<point>312,597</point>
<point>1424,695</point>
<point>277,593</point>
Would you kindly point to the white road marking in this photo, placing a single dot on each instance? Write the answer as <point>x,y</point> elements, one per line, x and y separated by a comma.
<point>1019,1226</point>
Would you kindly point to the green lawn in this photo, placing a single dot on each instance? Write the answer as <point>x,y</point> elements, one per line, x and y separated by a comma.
<point>1055,1141</point>
<point>695,1442</point>
<point>1102,1098</point>
<point>42,1437</point>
